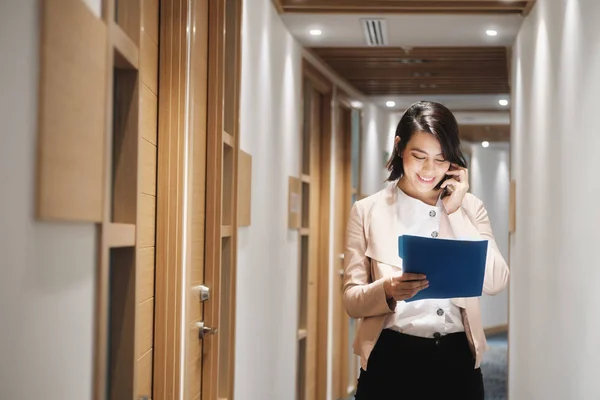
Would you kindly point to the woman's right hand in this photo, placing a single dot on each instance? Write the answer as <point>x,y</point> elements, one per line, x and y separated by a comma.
<point>405,286</point>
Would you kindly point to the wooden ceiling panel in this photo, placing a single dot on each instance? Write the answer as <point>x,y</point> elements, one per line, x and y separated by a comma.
<point>480,133</point>
<point>407,6</point>
<point>421,70</point>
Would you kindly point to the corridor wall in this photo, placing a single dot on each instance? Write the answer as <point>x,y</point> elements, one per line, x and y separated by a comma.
<point>490,180</point>
<point>267,269</point>
<point>554,296</point>
<point>47,269</point>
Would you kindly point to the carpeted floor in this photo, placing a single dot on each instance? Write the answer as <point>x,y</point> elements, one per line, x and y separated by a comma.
<point>494,368</point>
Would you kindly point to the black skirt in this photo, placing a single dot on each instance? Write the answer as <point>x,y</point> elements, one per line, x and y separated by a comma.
<point>404,367</point>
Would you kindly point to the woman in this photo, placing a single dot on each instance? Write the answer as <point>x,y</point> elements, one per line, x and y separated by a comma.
<point>424,349</point>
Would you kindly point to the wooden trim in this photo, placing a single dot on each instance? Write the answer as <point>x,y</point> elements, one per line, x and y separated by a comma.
<point>169,208</point>
<point>319,81</point>
<point>73,88</point>
<point>312,58</point>
<point>495,330</point>
<point>278,6</point>
<point>529,7</point>
<point>119,235</point>
<point>126,51</point>
<point>215,347</point>
<point>100,368</point>
<point>324,249</point>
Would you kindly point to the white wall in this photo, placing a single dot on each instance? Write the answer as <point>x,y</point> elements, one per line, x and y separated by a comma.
<point>46,269</point>
<point>379,128</point>
<point>490,181</point>
<point>267,274</point>
<point>554,296</point>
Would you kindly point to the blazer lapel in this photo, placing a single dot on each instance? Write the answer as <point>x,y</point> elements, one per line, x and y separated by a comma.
<point>384,229</point>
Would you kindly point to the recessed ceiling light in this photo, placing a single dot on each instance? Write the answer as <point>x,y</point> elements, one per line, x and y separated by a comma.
<point>485,144</point>
<point>390,104</point>
<point>356,104</point>
<point>315,32</point>
<point>503,102</point>
<point>491,32</point>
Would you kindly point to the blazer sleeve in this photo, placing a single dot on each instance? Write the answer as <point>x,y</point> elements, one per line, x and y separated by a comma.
<point>363,297</point>
<point>475,215</point>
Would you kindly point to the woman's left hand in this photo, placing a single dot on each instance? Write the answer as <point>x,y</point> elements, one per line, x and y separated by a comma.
<point>457,186</point>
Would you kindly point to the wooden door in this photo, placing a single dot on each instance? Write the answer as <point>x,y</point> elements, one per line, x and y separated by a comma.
<point>347,189</point>
<point>314,228</point>
<point>196,222</point>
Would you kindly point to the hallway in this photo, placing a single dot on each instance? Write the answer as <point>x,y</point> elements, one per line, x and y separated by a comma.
<point>178,174</point>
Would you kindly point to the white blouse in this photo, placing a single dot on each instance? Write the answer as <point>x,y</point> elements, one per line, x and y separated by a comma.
<point>423,318</point>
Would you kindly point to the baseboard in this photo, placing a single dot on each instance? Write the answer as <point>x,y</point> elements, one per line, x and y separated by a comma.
<point>495,330</point>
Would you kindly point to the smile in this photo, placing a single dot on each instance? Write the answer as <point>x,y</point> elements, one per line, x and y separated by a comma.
<point>425,180</point>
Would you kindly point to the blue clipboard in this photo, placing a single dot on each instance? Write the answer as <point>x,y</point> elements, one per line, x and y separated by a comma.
<point>454,268</point>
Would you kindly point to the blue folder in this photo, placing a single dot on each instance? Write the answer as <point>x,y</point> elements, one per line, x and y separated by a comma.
<point>454,268</point>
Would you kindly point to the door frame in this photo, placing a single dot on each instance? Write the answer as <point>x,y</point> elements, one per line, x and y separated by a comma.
<point>172,335</point>
<point>343,191</point>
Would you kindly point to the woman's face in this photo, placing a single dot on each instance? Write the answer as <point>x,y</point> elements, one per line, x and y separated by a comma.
<point>424,163</point>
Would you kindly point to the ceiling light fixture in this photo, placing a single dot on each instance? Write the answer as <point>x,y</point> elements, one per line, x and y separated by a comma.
<point>316,32</point>
<point>356,104</point>
<point>485,144</point>
<point>390,104</point>
<point>491,32</point>
<point>503,102</point>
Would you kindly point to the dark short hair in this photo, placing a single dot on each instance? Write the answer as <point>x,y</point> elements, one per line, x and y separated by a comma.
<point>432,118</point>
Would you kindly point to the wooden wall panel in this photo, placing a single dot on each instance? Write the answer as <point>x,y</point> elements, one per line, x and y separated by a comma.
<point>144,336</point>
<point>145,274</point>
<point>147,167</point>
<point>72,119</point>
<point>147,221</point>
<point>143,377</point>
<point>245,189</point>
<point>148,113</point>
<point>149,62</point>
<point>150,20</point>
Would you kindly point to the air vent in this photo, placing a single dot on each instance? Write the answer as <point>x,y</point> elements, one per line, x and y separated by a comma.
<point>375,32</point>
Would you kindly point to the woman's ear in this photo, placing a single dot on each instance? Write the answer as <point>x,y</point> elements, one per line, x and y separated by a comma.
<point>396,147</point>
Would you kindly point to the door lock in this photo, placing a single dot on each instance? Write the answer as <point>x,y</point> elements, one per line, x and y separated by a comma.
<point>203,330</point>
<point>204,292</point>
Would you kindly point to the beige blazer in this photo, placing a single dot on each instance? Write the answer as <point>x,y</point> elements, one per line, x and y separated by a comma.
<point>371,255</point>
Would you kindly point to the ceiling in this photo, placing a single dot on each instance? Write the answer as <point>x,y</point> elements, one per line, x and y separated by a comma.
<point>346,30</point>
<point>422,70</point>
<point>408,6</point>
<point>458,103</point>
<point>429,50</point>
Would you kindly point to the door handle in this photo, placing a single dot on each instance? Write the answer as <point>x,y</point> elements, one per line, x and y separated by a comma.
<point>204,330</point>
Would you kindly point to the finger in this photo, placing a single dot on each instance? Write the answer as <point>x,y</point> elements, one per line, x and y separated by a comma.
<point>409,276</point>
<point>412,285</point>
<point>452,182</point>
<point>456,166</point>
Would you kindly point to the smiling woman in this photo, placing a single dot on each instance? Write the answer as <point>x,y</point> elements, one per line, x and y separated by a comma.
<point>435,340</point>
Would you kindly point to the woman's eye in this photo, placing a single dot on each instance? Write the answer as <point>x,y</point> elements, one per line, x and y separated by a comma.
<point>419,158</point>
<point>441,161</point>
